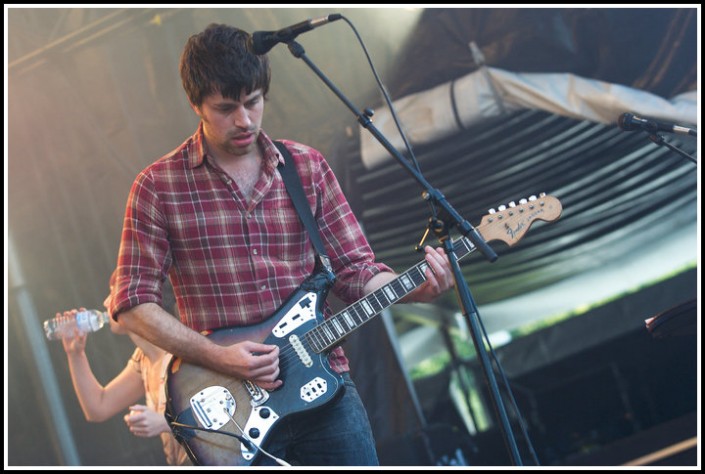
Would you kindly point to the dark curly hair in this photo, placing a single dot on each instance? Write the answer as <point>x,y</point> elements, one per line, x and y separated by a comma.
<point>220,59</point>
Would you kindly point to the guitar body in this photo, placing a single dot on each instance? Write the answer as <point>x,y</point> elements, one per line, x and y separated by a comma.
<point>200,397</point>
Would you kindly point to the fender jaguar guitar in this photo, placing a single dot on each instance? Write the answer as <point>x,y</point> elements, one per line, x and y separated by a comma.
<point>221,420</point>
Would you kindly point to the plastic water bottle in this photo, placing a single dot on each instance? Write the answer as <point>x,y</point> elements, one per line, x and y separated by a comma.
<point>86,321</point>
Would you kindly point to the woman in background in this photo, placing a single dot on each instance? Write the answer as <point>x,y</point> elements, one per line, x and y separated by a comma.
<point>143,376</point>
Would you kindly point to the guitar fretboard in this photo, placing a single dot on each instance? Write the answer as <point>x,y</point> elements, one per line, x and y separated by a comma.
<point>334,329</point>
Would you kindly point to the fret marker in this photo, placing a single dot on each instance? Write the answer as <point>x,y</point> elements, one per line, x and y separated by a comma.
<point>349,319</point>
<point>368,309</point>
<point>408,284</point>
<point>330,335</point>
<point>391,296</point>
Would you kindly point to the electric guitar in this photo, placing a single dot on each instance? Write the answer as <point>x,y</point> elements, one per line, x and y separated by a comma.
<point>222,420</point>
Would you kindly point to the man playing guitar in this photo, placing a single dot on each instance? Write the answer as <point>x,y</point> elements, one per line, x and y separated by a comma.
<point>215,218</point>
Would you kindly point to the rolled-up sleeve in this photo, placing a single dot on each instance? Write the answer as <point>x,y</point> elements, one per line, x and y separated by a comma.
<point>143,259</point>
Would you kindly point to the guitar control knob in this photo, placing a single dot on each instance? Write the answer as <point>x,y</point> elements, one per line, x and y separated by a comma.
<point>264,413</point>
<point>254,433</point>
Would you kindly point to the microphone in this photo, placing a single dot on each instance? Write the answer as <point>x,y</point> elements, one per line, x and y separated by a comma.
<point>630,122</point>
<point>263,41</point>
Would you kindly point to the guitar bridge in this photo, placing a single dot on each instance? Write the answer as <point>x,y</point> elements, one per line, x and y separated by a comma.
<point>257,395</point>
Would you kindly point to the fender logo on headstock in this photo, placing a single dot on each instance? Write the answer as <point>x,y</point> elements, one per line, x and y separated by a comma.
<point>512,233</point>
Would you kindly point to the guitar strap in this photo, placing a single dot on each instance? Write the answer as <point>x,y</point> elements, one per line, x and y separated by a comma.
<point>292,181</point>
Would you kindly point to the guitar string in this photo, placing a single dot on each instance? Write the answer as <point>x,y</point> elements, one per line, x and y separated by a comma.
<point>415,273</point>
<point>317,333</point>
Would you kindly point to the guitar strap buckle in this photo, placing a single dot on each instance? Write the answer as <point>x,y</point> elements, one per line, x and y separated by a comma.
<point>325,261</point>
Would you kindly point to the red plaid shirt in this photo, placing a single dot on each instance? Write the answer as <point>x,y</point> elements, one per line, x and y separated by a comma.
<point>233,262</point>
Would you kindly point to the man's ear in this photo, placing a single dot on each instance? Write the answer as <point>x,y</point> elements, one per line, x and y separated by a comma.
<point>195,108</point>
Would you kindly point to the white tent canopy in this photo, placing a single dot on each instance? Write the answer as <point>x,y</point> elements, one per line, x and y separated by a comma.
<point>489,92</point>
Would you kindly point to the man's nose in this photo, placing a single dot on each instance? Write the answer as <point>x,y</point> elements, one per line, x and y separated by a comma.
<point>242,118</point>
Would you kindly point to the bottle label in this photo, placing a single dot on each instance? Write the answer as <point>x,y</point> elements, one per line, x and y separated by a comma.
<point>83,321</point>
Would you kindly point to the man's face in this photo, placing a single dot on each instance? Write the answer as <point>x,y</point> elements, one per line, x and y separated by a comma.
<point>232,126</point>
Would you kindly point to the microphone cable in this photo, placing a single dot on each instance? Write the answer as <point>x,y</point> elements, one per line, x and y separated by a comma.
<point>388,101</point>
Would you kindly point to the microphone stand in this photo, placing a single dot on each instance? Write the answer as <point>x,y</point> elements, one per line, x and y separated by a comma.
<point>433,195</point>
<point>659,140</point>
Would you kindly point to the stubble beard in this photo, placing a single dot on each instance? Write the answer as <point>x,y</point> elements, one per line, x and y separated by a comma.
<point>231,149</point>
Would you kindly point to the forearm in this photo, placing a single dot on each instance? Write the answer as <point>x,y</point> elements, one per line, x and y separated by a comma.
<point>160,328</point>
<point>378,281</point>
<point>90,393</point>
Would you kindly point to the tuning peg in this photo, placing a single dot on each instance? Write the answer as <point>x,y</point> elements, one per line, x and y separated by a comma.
<point>502,208</point>
<point>523,201</point>
<point>512,204</point>
<point>492,211</point>
<point>532,198</point>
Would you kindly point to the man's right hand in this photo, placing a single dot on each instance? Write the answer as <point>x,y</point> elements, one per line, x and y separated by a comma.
<point>258,363</point>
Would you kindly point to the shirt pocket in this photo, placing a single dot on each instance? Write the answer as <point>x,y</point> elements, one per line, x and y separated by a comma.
<point>284,236</point>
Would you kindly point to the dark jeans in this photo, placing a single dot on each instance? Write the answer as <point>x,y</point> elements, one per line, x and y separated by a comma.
<point>339,434</point>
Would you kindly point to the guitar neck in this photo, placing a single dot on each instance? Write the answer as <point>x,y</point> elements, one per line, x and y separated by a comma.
<point>508,224</point>
<point>332,331</point>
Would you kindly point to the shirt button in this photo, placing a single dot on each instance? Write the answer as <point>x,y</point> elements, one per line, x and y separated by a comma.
<point>263,287</point>
<point>248,215</point>
<point>254,251</point>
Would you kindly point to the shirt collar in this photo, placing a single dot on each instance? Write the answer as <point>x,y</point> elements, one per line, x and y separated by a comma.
<point>272,157</point>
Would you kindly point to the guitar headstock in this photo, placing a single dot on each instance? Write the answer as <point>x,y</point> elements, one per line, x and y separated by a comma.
<point>510,223</point>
